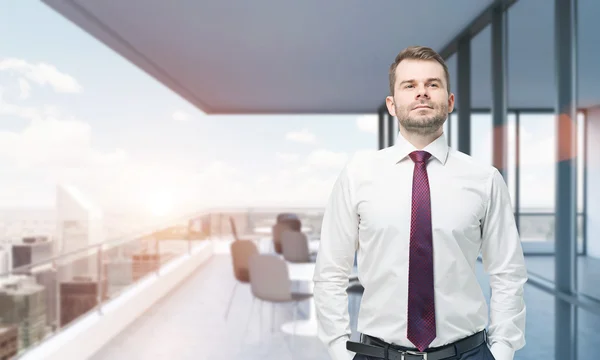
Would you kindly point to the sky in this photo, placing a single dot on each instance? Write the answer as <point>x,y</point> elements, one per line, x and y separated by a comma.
<point>74,112</point>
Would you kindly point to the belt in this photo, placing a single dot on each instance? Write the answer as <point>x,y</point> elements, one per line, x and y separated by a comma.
<point>371,346</point>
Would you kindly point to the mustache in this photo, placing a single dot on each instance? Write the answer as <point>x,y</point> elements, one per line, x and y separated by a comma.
<point>422,103</point>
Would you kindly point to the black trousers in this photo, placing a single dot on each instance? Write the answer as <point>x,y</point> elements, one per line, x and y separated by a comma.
<point>481,352</point>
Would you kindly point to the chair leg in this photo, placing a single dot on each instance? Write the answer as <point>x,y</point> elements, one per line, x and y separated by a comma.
<point>294,321</point>
<point>249,318</point>
<point>272,317</point>
<point>231,300</point>
<point>260,319</point>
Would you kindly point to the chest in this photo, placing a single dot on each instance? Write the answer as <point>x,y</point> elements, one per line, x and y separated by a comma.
<point>384,204</point>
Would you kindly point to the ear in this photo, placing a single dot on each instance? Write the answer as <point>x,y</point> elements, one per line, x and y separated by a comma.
<point>389,102</point>
<point>450,103</point>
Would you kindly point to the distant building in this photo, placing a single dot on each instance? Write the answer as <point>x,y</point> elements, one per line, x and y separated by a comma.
<point>23,303</point>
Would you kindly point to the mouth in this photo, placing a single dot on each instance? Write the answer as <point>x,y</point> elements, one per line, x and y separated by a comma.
<point>421,107</point>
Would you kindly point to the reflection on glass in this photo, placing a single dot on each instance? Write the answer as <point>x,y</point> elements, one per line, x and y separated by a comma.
<point>511,161</point>
<point>540,325</point>
<point>588,328</point>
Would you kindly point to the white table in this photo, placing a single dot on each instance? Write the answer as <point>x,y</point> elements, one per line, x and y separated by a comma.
<point>313,245</point>
<point>268,229</point>
<point>303,272</point>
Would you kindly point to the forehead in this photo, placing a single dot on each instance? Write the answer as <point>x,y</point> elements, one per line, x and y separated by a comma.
<point>419,70</point>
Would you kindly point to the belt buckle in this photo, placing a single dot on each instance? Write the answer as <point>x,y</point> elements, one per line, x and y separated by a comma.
<point>417,353</point>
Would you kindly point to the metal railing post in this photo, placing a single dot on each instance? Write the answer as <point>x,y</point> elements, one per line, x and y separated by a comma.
<point>99,284</point>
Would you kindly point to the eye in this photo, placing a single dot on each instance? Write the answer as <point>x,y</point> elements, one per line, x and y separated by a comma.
<point>435,85</point>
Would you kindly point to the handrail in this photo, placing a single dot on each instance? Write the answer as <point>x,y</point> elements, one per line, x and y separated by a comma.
<point>545,213</point>
<point>579,300</point>
<point>122,239</point>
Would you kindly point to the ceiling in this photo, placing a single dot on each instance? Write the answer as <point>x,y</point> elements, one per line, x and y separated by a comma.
<point>264,56</point>
<point>315,56</point>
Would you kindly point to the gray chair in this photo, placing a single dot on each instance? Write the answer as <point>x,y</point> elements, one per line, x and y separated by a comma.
<point>276,231</point>
<point>241,251</point>
<point>294,246</point>
<point>285,221</point>
<point>270,282</point>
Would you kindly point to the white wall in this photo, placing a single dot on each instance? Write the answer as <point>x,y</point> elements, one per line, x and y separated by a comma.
<point>593,179</point>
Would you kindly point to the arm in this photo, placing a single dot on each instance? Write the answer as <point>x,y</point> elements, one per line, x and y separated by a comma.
<point>503,260</point>
<point>335,259</point>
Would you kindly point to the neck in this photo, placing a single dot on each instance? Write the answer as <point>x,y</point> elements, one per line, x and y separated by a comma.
<point>420,140</point>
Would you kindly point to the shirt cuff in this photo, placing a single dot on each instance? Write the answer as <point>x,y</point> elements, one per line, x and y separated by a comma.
<point>501,351</point>
<point>338,351</point>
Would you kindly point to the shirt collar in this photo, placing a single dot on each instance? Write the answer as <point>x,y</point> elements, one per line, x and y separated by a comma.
<point>438,149</point>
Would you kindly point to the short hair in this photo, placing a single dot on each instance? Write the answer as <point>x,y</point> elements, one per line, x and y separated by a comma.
<point>417,53</point>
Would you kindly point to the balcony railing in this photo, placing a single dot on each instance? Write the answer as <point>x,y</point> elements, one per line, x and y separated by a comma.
<point>537,232</point>
<point>39,300</point>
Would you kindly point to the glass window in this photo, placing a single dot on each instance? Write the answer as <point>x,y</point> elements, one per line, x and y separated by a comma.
<point>580,159</point>
<point>481,137</point>
<point>537,161</point>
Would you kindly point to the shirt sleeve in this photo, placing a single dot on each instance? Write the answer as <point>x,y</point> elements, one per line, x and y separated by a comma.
<point>503,260</point>
<point>335,259</point>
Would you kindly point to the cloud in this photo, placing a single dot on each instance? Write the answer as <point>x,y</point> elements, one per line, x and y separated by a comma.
<point>49,144</point>
<point>306,181</point>
<point>180,116</point>
<point>55,149</point>
<point>287,157</point>
<point>51,149</point>
<point>42,74</point>
<point>367,123</point>
<point>25,88</point>
<point>326,159</point>
<point>302,136</point>
<point>28,113</point>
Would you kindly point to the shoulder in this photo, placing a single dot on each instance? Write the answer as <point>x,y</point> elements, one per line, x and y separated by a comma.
<point>469,165</point>
<point>484,177</point>
<point>364,164</point>
<point>364,159</point>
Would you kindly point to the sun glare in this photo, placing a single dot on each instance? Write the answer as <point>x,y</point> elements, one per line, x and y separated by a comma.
<point>160,204</point>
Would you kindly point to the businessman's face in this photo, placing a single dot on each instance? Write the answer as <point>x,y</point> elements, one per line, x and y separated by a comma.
<point>421,101</point>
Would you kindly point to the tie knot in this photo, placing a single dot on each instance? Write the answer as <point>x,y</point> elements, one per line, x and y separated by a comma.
<point>419,156</point>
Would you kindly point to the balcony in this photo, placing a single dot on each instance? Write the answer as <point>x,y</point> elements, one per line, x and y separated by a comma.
<point>165,295</point>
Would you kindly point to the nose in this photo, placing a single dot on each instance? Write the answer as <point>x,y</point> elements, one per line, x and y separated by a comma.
<point>422,92</point>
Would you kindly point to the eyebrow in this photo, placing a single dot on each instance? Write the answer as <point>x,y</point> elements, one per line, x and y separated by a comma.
<point>428,80</point>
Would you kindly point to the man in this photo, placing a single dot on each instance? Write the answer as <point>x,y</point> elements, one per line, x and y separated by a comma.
<point>417,215</point>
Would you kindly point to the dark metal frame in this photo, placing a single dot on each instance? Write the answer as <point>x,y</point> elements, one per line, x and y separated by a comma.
<point>517,169</point>
<point>500,95</point>
<point>391,131</point>
<point>381,130</point>
<point>464,99</point>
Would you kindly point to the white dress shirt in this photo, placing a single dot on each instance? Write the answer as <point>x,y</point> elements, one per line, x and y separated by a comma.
<point>369,213</point>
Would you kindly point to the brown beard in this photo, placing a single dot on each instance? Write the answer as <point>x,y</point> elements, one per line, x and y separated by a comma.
<point>422,125</point>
